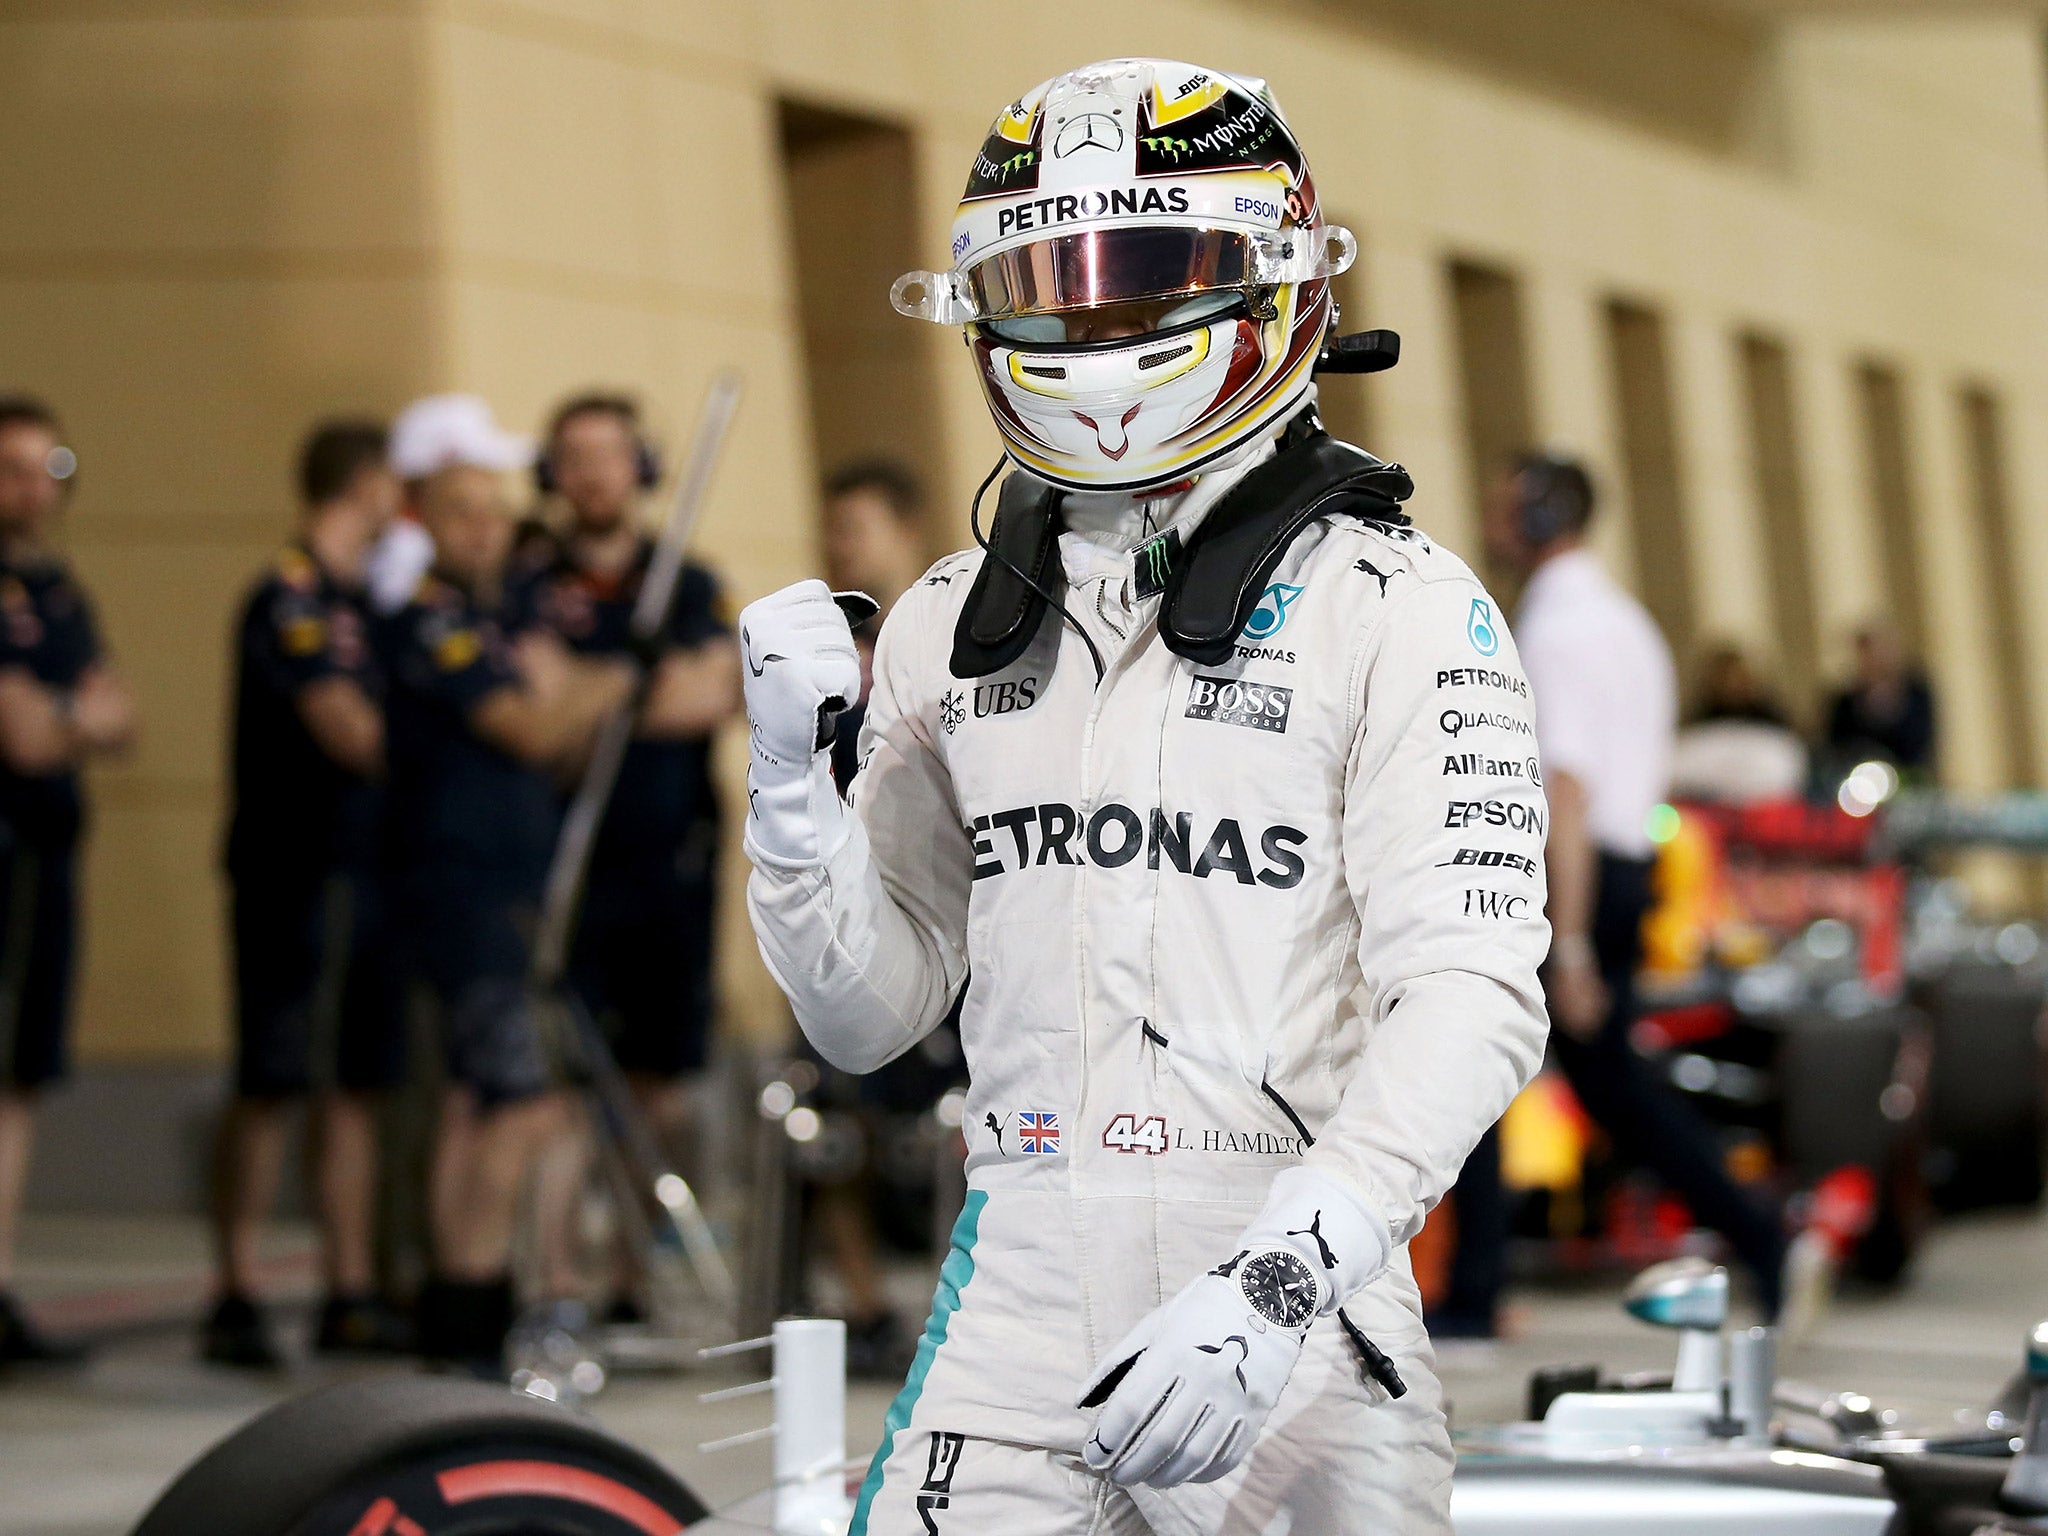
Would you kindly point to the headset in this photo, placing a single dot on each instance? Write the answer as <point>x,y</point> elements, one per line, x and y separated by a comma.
<point>1556,497</point>
<point>647,465</point>
<point>62,464</point>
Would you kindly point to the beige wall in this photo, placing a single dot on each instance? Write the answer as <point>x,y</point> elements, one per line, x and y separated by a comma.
<point>220,226</point>
<point>217,227</point>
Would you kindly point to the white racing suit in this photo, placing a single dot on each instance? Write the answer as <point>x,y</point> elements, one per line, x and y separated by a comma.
<point>1213,922</point>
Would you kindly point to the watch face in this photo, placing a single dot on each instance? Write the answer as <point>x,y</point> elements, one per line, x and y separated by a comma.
<point>1280,1288</point>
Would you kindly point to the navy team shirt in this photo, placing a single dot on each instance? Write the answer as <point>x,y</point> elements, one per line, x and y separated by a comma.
<point>47,627</point>
<point>664,790</point>
<point>459,805</point>
<point>296,810</point>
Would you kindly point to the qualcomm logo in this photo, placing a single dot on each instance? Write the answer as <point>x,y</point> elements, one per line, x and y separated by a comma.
<point>1479,628</point>
<point>1271,611</point>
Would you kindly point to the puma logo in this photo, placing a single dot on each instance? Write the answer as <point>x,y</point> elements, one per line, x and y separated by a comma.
<point>1383,577</point>
<point>1244,1353</point>
<point>997,1126</point>
<point>747,647</point>
<point>1315,1230</point>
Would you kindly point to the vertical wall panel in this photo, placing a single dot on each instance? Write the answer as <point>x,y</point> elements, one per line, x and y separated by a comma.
<point>1493,378</point>
<point>1419,418</point>
<point>1890,494</point>
<point>1649,455</point>
<point>2004,586</point>
<point>1780,491</point>
<point>1569,371</point>
<point>854,230</point>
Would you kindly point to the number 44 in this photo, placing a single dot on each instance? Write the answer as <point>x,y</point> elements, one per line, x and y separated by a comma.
<point>1127,1133</point>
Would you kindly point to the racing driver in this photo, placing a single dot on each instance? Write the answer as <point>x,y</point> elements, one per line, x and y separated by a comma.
<point>1212,781</point>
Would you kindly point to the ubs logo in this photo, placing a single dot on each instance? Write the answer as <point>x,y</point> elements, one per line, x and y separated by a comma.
<point>1091,130</point>
<point>1005,698</point>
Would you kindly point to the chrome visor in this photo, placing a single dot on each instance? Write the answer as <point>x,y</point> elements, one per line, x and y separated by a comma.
<point>1116,266</point>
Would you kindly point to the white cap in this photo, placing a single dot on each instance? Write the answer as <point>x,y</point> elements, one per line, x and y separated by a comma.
<point>442,431</point>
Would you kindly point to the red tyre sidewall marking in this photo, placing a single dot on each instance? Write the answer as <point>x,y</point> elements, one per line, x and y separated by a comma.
<point>376,1519</point>
<point>547,1479</point>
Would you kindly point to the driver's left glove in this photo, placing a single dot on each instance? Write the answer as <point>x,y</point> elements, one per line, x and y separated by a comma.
<point>1183,1396</point>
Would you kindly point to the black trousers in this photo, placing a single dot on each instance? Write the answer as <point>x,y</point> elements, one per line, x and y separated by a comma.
<point>1649,1124</point>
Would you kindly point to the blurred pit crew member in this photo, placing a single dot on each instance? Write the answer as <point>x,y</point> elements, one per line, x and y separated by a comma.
<point>642,961</point>
<point>1738,748</point>
<point>874,542</point>
<point>1887,710</point>
<point>61,705</point>
<point>1606,712</point>
<point>319,1005</point>
<point>1170,778</point>
<point>482,718</point>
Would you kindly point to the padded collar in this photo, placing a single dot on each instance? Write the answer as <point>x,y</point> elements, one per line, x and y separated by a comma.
<point>1221,572</point>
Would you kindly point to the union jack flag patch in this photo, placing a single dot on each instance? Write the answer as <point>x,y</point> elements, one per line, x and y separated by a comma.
<point>1037,1132</point>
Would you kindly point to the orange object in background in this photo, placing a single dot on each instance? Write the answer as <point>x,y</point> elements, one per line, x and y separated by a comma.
<point>1544,1136</point>
<point>1431,1250</point>
<point>1734,883</point>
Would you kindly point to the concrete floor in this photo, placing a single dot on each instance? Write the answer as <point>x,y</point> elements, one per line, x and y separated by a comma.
<point>82,1453</point>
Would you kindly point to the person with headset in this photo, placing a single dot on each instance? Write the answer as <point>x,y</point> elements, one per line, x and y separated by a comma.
<point>1159,774</point>
<point>642,961</point>
<point>485,716</point>
<point>1606,718</point>
<point>61,705</point>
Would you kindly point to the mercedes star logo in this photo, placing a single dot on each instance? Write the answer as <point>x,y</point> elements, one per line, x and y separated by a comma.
<point>1091,130</point>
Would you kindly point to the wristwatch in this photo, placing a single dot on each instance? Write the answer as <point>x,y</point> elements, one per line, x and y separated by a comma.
<point>1280,1287</point>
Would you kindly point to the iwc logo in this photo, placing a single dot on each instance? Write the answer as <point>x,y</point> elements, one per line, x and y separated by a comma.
<point>1280,1286</point>
<point>952,710</point>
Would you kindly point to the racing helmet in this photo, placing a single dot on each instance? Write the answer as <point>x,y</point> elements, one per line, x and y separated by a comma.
<point>1142,271</point>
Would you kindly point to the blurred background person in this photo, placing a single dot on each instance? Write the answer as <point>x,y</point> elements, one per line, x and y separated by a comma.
<point>61,704</point>
<point>1887,710</point>
<point>1605,693</point>
<point>483,717</point>
<point>642,956</point>
<point>875,541</point>
<point>318,1004</point>
<point>1738,748</point>
<point>874,537</point>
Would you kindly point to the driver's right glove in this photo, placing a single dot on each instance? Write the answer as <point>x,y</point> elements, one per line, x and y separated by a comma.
<point>800,670</point>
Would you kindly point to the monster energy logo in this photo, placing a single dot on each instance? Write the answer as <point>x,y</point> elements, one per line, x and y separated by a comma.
<point>990,170</point>
<point>1165,146</point>
<point>1154,561</point>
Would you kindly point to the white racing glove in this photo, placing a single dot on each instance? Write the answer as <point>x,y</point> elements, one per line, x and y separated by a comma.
<point>1184,1395</point>
<point>800,671</point>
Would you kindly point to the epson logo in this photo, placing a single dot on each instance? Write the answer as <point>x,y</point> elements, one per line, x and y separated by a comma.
<point>1512,814</point>
<point>1231,701</point>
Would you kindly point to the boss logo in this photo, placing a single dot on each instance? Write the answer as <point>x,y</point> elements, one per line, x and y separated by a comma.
<point>1230,701</point>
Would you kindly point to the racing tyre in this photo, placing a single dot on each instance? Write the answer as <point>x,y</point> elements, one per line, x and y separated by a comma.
<point>421,1456</point>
